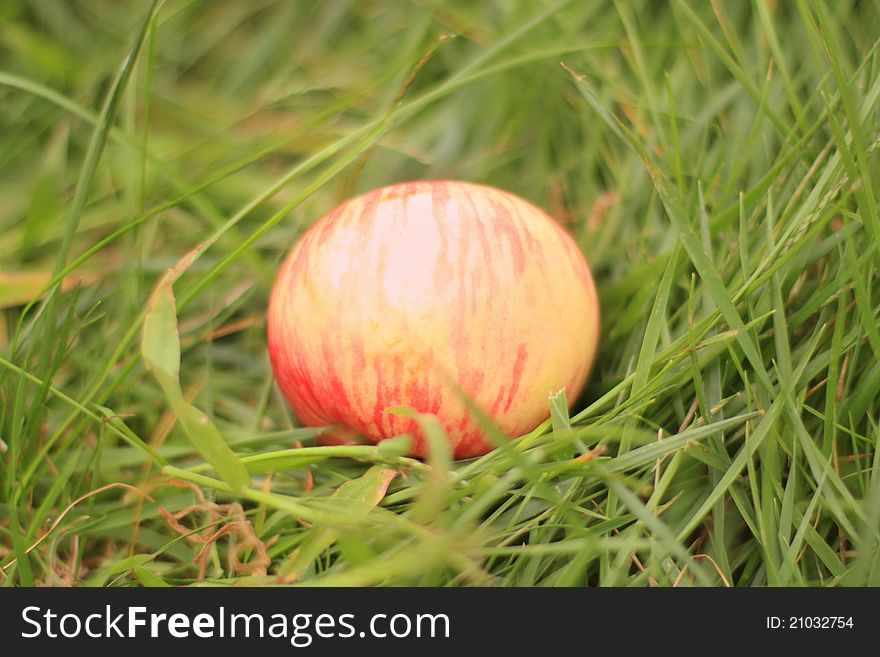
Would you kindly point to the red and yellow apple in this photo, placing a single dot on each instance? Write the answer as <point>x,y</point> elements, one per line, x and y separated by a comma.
<point>418,293</point>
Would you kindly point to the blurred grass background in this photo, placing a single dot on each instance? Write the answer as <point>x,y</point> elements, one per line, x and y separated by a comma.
<point>717,162</point>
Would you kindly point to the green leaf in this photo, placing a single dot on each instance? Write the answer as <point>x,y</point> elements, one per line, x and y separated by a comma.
<point>160,348</point>
<point>559,418</point>
<point>160,345</point>
<point>395,447</point>
<point>149,579</point>
<point>359,496</point>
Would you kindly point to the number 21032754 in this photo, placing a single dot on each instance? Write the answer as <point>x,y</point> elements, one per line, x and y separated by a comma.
<point>809,623</point>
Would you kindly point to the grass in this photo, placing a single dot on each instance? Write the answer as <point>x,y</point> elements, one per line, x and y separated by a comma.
<point>717,162</point>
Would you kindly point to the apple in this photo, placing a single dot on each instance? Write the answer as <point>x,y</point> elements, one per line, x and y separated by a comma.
<point>421,292</point>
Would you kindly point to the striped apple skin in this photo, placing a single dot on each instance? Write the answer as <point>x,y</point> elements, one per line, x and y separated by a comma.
<point>413,293</point>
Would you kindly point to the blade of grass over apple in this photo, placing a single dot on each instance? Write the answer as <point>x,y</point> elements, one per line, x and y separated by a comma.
<point>433,497</point>
<point>560,422</point>
<point>288,459</point>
